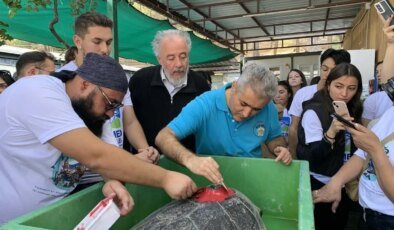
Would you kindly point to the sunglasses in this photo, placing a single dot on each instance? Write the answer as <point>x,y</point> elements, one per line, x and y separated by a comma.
<point>111,105</point>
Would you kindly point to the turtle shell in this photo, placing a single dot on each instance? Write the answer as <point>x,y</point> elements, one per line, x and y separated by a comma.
<point>235,212</point>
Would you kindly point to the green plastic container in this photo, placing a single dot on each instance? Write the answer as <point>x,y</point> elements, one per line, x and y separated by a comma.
<point>282,192</point>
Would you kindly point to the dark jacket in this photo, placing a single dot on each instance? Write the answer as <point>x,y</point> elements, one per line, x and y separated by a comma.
<point>152,102</point>
<point>321,157</point>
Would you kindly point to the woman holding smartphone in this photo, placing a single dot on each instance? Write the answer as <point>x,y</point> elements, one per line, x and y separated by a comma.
<point>376,147</point>
<point>323,142</point>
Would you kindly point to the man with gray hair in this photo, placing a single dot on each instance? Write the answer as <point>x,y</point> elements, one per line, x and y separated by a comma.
<point>232,121</point>
<point>160,92</point>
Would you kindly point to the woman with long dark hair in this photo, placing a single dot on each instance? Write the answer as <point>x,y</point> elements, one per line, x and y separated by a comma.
<point>296,80</point>
<point>283,98</point>
<point>324,142</point>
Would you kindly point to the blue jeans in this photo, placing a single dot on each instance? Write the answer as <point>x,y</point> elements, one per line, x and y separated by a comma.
<point>378,221</point>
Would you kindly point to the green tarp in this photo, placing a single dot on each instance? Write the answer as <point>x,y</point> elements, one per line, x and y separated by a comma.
<point>135,32</point>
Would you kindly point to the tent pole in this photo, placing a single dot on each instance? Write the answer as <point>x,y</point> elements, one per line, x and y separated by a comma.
<point>112,13</point>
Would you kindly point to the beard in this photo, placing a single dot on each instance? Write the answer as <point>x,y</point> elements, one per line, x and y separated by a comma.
<point>93,122</point>
<point>176,82</point>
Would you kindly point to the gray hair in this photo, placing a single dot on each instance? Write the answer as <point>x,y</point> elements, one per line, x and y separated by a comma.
<point>260,79</point>
<point>160,35</point>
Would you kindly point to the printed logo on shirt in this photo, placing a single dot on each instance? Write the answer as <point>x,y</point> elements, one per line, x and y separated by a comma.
<point>67,172</point>
<point>116,127</point>
<point>370,173</point>
<point>284,126</point>
<point>259,129</point>
<point>115,120</point>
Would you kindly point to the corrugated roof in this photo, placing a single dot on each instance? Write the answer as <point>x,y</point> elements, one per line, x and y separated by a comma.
<point>235,22</point>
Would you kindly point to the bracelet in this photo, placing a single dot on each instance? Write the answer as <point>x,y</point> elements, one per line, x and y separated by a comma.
<point>332,138</point>
<point>328,141</point>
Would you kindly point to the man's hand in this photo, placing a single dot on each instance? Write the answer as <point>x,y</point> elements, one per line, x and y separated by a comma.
<point>387,29</point>
<point>150,155</point>
<point>329,193</point>
<point>283,154</point>
<point>337,126</point>
<point>178,186</point>
<point>205,166</point>
<point>122,198</point>
<point>365,139</point>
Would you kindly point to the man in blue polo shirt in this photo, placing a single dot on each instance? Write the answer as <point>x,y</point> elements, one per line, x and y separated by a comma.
<point>232,121</point>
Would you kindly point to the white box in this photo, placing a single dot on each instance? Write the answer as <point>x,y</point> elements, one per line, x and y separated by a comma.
<point>102,217</point>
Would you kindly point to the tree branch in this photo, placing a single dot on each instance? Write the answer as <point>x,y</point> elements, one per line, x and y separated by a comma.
<point>53,22</point>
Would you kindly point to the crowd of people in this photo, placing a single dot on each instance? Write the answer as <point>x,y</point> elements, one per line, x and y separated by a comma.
<point>64,130</point>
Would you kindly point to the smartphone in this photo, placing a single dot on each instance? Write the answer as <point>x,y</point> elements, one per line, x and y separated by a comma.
<point>340,108</point>
<point>343,120</point>
<point>385,9</point>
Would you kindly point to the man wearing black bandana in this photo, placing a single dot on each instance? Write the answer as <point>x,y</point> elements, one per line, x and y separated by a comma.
<point>44,142</point>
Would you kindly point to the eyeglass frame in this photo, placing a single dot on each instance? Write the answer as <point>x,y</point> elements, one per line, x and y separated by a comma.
<point>111,105</point>
<point>42,69</point>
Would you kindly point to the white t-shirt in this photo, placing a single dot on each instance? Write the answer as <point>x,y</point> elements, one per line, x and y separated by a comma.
<point>375,105</point>
<point>312,127</point>
<point>71,66</point>
<point>313,132</point>
<point>302,95</point>
<point>32,172</point>
<point>370,193</point>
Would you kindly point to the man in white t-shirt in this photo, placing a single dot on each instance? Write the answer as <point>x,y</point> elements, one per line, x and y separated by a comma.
<point>93,33</point>
<point>376,104</point>
<point>48,135</point>
<point>328,60</point>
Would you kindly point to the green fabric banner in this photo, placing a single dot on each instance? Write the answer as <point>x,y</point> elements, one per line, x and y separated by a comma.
<point>136,31</point>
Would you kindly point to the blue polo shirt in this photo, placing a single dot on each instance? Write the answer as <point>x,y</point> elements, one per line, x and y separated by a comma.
<point>217,133</point>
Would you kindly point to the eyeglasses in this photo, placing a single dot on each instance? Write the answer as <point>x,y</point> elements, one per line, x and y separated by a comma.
<point>111,105</point>
<point>43,70</point>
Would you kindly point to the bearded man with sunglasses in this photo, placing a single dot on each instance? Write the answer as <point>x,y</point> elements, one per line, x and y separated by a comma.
<point>46,141</point>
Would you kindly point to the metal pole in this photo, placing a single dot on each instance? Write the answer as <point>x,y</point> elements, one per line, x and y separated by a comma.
<point>112,13</point>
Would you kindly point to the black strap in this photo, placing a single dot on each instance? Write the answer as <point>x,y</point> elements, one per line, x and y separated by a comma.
<point>64,75</point>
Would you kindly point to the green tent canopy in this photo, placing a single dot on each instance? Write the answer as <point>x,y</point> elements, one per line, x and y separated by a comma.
<point>135,31</point>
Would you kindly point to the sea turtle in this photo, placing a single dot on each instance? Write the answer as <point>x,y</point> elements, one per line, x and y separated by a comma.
<point>212,207</point>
